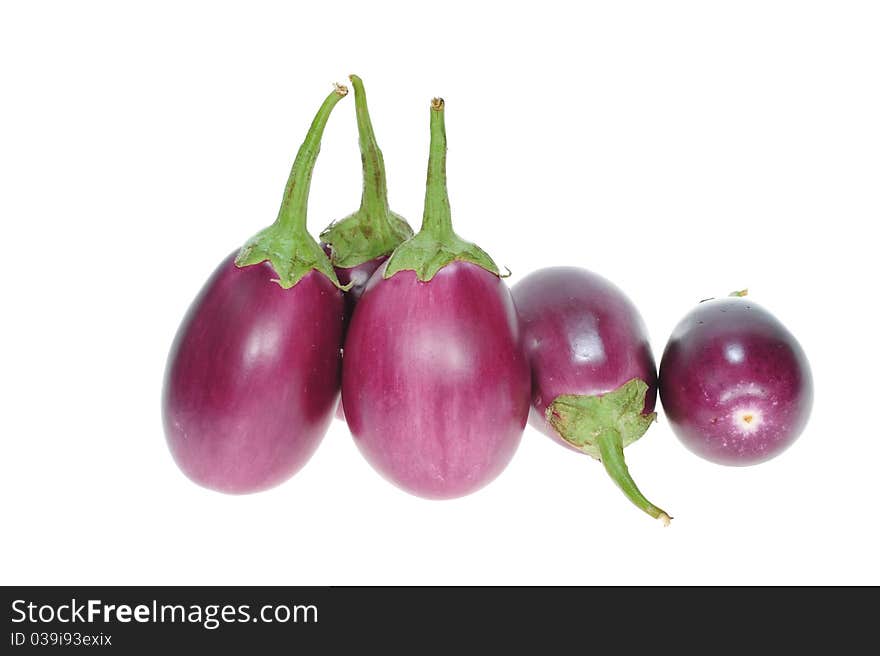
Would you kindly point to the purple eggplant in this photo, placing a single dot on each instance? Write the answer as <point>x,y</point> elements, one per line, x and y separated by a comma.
<point>735,383</point>
<point>355,278</point>
<point>435,382</point>
<point>253,375</point>
<point>594,382</point>
<point>359,243</point>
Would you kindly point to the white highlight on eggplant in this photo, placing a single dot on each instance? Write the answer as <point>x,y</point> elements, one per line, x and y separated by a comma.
<point>443,352</point>
<point>358,278</point>
<point>261,343</point>
<point>743,389</point>
<point>588,348</point>
<point>586,343</point>
<point>734,353</point>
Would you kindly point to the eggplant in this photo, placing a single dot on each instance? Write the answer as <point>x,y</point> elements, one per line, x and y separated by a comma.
<point>253,375</point>
<point>435,382</point>
<point>735,384</point>
<point>594,381</point>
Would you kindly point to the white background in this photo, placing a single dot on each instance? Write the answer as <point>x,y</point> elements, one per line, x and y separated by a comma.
<point>682,149</point>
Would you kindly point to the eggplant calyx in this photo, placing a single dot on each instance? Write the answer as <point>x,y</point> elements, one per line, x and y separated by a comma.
<point>426,254</point>
<point>436,243</point>
<point>286,244</point>
<point>291,255</point>
<point>374,230</point>
<point>601,426</point>
<point>354,239</point>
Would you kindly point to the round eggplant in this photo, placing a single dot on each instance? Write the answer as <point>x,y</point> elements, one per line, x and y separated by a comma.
<point>735,383</point>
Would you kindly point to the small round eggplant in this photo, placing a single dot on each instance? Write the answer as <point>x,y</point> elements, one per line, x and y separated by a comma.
<point>253,375</point>
<point>735,383</point>
<point>594,381</point>
<point>435,381</point>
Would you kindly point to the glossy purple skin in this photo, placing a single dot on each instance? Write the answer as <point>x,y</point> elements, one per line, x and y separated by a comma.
<point>582,336</point>
<point>253,377</point>
<point>359,276</point>
<point>735,384</point>
<point>435,382</point>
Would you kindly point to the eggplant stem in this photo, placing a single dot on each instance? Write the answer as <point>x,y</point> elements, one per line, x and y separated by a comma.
<point>293,212</point>
<point>287,244</point>
<point>438,215</point>
<point>436,244</point>
<point>610,445</point>
<point>374,198</point>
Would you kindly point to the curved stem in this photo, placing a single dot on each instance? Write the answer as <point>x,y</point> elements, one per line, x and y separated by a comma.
<point>437,219</point>
<point>610,446</point>
<point>374,199</point>
<point>293,211</point>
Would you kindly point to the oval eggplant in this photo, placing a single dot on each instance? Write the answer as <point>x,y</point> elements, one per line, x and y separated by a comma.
<point>735,383</point>
<point>594,381</point>
<point>253,375</point>
<point>435,382</point>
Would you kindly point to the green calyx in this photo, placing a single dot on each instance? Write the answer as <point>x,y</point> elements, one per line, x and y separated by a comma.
<point>601,426</point>
<point>286,244</point>
<point>374,230</point>
<point>436,244</point>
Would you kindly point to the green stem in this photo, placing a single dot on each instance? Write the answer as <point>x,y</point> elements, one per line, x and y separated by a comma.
<point>294,206</point>
<point>286,244</point>
<point>374,230</point>
<point>437,219</point>
<point>374,198</point>
<point>436,243</point>
<point>610,446</point>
